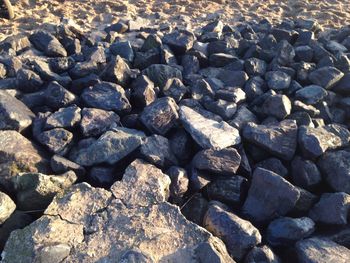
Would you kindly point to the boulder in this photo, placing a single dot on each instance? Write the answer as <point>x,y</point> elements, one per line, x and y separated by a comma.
<point>179,41</point>
<point>261,254</point>
<point>117,71</point>
<point>47,43</point>
<point>61,165</point>
<point>311,94</point>
<point>326,77</point>
<point>57,140</point>
<point>278,106</point>
<point>160,74</point>
<point>7,207</point>
<point>305,173</point>
<point>63,118</point>
<point>277,80</point>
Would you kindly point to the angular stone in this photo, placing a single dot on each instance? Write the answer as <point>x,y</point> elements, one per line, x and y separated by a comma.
<point>213,252</point>
<point>160,116</point>
<point>44,71</point>
<point>160,74</point>
<point>123,49</point>
<point>242,117</point>
<point>326,77</point>
<point>179,182</point>
<point>278,139</point>
<point>255,67</point>
<point>179,41</point>
<point>333,208</point>
<point>48,44</point>
<point>221,59</point>
<point>181,143</point>
<point>305,173</point>
<point>311,94</point>
<point>106,96</point>
<point>175,89</point>
<point>56,140</point>
<point>63,118</point>
<point>225,161</point>
<point>316,141</point>
<point>60,164</point>
<point>278,106</point>
<point>145,59</point>
<point>233,78</point>
<point>269,196</point>
<point>28,81</point>
<point>223,108</point>
<point>117,71</point>
<point>261,254</point>
<point>208,133</point>
<point>195,208</point>
<point>274,165</point>
<point>56,96</point>
<point>7,207</point>
<point>143,92</point>
<point>343,86</point>
<point>277,80</point>
<point>285,53</point>
<point>238,234</point>
<point>14,115</point>
<point>110,148</point>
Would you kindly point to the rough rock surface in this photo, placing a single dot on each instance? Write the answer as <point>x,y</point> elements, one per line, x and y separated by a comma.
<point>7,207</point>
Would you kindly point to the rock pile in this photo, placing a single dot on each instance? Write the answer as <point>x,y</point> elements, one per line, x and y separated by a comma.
<point>109,148</point>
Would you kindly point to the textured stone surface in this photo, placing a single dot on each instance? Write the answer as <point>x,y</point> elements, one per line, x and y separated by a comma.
<point>7,207</point>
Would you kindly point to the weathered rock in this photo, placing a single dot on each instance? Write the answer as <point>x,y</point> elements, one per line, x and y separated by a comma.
<point>255,67</point>
<point>195,209</point>
<point>44,71</point>
<point>56,140</point>
<point>145,59</point>
<point>48,44</point>
<point>311,94</point>
<point>14,115</point>
<point>223,108</point>
<point>242,117</point>
<point>238,234</point>
<point>28,81</point>
<point>110,148</point>
<point>143,92</point>
<point>269,196</point>
<point>278,106</point>
<point>56,96</point>
<point>179,41</point>
<point>160,74</point>
<point>278,139</point>
<point>326,77</point>
<point>343,86</point>
<point>179,182</point>
<point>261,254</point>
<point>63,118</point>
<point>316,141</point>
<point>117,71</point>
<point>233,78</point>
<point>160,116</point>
<point>274,165</point>
<point>60,164</point>
<point>181,144</point>
<point>318,250</point>
<point>123,49</point>
<point>175,89</point>
<point>208,133</point>
<point>212,252</point>
<point>278,80</point>
<point>7,207</point>
<point>305,173</point>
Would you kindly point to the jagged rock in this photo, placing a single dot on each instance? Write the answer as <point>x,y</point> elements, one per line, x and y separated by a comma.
<point>63,118</point>
<point>48,44</point>
<point>145,59</point>
<point>60,164</point>
<point>195,209</point>
<point>261,254</point>
<point>225,161</point>
<point>311,94</point>
<point>175,89</point>
<point>117,71</point>
<point>212,252</point>
<point>7,207</point>
<point>326,77</point>
<point>318,250</point>
<point>181,144</point>
<point>123,49</point>
<point>208,133</point>
<point>233,78</point>
<point>40,188</point>
<point>333,208</point>
<point>242,117</point>
<point>160,116</point>
<point>28,81</point>
<point>255,67</point>
<point>221,59</point>
<point>14,114</point>
<point>106,96</point>
<point>232,94</point>
<point>179,41</point>
<point>143,92</point>
<point>316,141</point>
<point>200,89</point>
<point>238,234</point>
<point>160,74</point>
<point>274,165</point>
<point>278,106</point>
<point>179,182</point>
<point>278,139</point>
<point>44,71</point>
<point>223,108</point>
<point>269,196</point>
<point>285,231</point>
<point>56,140</point>
<point>305,173</point>
<point>343,86</point>
<point>18,154</point>
<point>278,80</point>
<point>56,96</point>
<point>111,147</point>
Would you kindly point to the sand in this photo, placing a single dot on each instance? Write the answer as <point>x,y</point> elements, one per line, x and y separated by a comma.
<point>94,14</point>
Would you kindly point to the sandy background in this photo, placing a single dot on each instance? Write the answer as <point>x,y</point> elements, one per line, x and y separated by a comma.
<point>92,14</point>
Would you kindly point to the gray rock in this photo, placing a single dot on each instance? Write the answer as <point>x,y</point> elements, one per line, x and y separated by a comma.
<point>274,165</point>
<point>201,89</point>
<point>232,94</point>
<point>56,140</point>
<point>160,116</point>
<point>233,78</point>
<point>106,96</point>
<point>143,92</point>
<point>278,106</point>
<point>223,108</point>
<point>326,77</point>
<point>224,162</point>
<point>179,41</point>
<point>28,81</point>
<point>123,49</point>
<point>56,96</point>
<point>238,234</point>
<point>311,94</point>
<point>179,182</point>
<point>7,207</point>
<point>44,71</point>
<point>60,164</point>
<point>110,148</point>
<point>305,173</point>
<point>242,117</point>
<point>277,80</point>
<point>255,67</point>
<point>333,208</point>
<point>285,231</point>
<point>117,71</point>
<point>261,254</point>
<point>212,252</point>
<point>160,74</point>
<point>278,139</point>
<point>208,133</point>
<point>63,118</point>
<point>145,59</point>
<point>14,115</point>
<point>221,59</point>
<point>195,208</point>
<point>316,141</point>
<point>48,44</point>
<point>175,89</point>
<point>316,250</point>
<point>135,255</point>
<point>343,86</point>
<point>181,143</point>
<point>269,196</point>
<point>285,53</point>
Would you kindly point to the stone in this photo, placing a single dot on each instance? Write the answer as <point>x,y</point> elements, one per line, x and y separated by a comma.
<point>175,89</point>
<point>231,94</point>
<point>118,27</point>
<point>181,144</point>
<point>179,41</point>
<point>61,165</point>
<point>179,182</point>
<point>199,179</point>
<point>326,77</point>
<point>261,254</point>
<point>208,133</point>
<point>160,116</point>
<point>63,118</point>
<point>238,234</point>
<point>147,58</point>
<point>285,231</point>
<point>45,73</point>
<point>278,139</point>
<point>14,114</point>
<point>242,117</point>
<point>278,106</point>
<point>304,53</point>
<point>190,65</point>
<point>56,140</point>
<point>195,209</point>
<point>56,96</point>
<point>123,49</point>
<point>233,78</point>
<point>221,59</point>
<point>311,94</point>
<point>7,207</point>
<point>305,173</point>
<point>318,250</point>
<point>106,96</point>
<point>224,162</point>
<point>274,165</point>
<point>40,188</point>
<point>143,92</point>
<point>110,147</point>
<point>156,150</point>
<point>152,41</point>
<point>160,74</point>
<point>333,209</point>
<point>28,81</point>
<point>343,86</point>
<point>212,252</point>
<point>117,71</point>
<point>18,154</point>
<point>47,43</point>
<point>201,89</point>
<point>94,121</point>
<point>269,196</point>
<point>255,67</point>
<point>277,80</point>
<point>285,53</point>
<point>316,141</point>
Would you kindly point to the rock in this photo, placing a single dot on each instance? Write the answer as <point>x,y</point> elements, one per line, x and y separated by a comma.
<point>221,59</point>
<point>7,207</point>
<point>28,81</point>
<point>213,252</point>
<point>145,59</point>
<point>277,80</point>
<point>278,106</point>
<point>223,108</point>
<point>195,209</point>
<point>233,78</point>
<point>14,114</point>
<point>152,41</point>
<point>201,89</point>
<point>44,71</point>
<point>117,71</point>
<point>106,96</point>
<point>48,44</point>
<point>18,154</point>
<point>333,208</point>
<point>143,92</point>
<point>285,53</point>
<point>208,133</point>
<point>269,196</point>
<point>179,182</point>
<point>242,117</point>
<point>156,150</point>
<point>56,96</point>
<point>40,188</point>
<point>232,94</point>
<point>261,254</point>
<point>304,53</point>
<point>343,86</point>
<point>278,139</point>
<point>316,141</point>
<point>285,231</point>
<point>321,251</point>
<point>56,140</point>
<point>61,165</point>
<point>224,162</point>
<point>160,116</point>
<point>179,41</point>
<point>118,27</point>
<point>199,179</point>
<point>110,148</point>
<point>326,77</point>
<point>311,94</point>
<point>274,165</point>
<point>238,234</point>
<point>255,67</point>
<point>64,118</point>
<point>175,89</point>
<point>305,173</point>
<point>160,74</point>
<point>181,144</point>
<point>102,176</point>
<point>123,49</point>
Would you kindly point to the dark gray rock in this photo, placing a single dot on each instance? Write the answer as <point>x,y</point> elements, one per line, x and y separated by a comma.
<point>278,106</point>
<point>223,108</point>
<point>195,209</point>
<point>61,165</point>
<point>56,140</point>
<point>160,74</point>
<point>242,117</point>
<point>305,202</point>
<point>277,80</point>
<point>63,118</point>
<point>179,183</point>
<point>278,139</point>
<point>118,27</point>
<point>343,86</point>
<point>274,165</point>
<point>255,67</point>
<point>269,196</point>
<point>311,94</point>
<point>221,59</point>
<point>45,73</point>
<point>152,41</point>
<point>7,207</point>
<point>179,41</point>
<point>232,94</point>
<point>233,78</point>
<point>102,176</point>
<point>48,44</point>
<point>190,65</point>
<point>28,81</point>
<point>285,53</point>
<point>143,92</point>
<point>123,49</point>
<point>261,254</point>
<point>333,208</point>
<point>201,89</point>
<point>302,118</point>
<point>117,71</point>
<point>212,252</point>
<point>304,53</point>
<point>181,145</point>
<point>147,58</point>
<point>305,173</point>
<point>199,179</point>
<point>175,89</point>
<point>326,77</point>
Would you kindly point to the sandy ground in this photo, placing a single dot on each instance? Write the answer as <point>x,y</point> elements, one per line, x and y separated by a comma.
<point>92,14</point>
